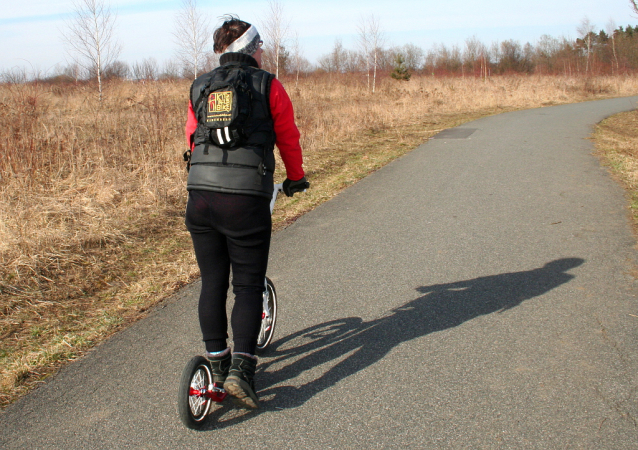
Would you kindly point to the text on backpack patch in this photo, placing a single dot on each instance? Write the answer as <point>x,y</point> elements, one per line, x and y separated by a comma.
<point>220,105</point>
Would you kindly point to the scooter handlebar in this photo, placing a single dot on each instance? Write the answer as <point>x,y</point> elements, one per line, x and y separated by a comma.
<point>278,187</point>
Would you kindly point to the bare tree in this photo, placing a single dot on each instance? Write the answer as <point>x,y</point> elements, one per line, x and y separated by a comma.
<point>447,60</point>
<point>117,70</point>
<point>472,53</point>
<point>275,29</point>
<point>475,56</point>
<point>586,29</point>
<point>371,42</point>
<point>90,38</point>
<point>171,70</point>
<point>297,56</point>
<point>147,70</point>
<point>338,57</point>
<point>414,56</point>
<point>341,60</point>
<point>364,45</point>
<point>376,45</point>
<point>74,71</point>
<point>611,31</point>
<point>192,35</point>
<point>634,5</point>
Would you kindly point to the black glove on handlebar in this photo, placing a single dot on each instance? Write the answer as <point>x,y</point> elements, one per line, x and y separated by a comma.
<point>290,187</point>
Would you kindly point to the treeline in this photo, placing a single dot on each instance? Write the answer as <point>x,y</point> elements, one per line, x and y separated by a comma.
<point>591,54</point>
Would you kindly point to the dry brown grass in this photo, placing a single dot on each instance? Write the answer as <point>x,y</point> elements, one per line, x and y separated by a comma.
<point>616,139</point>
<point>92,197</point>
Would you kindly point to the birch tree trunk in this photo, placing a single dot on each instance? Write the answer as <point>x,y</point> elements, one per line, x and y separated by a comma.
<point>89,38</point>
<point>275,30</point>
<point>192,36</point>
<point>376,43</point>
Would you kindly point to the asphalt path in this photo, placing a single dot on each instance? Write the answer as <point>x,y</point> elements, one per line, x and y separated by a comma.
<point>476,293</point>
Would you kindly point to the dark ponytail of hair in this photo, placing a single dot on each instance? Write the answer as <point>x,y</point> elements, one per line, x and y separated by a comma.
<point>231,29</point>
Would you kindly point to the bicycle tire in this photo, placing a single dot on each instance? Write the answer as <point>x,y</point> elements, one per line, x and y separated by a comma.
<point>193,409</point>
<point>268,321</point>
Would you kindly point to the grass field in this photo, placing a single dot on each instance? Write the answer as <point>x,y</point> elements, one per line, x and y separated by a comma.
<point>616,139</point>
<point>92,196</point>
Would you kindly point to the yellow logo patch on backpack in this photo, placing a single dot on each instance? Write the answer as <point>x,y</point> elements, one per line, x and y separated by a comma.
<point>220,106</point>
<point>224,106</point>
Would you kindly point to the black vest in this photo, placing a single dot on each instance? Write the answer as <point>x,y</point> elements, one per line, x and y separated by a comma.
<point>247,169</point>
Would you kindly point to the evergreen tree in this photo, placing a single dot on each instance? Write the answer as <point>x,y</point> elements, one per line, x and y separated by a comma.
<point>400,71</point>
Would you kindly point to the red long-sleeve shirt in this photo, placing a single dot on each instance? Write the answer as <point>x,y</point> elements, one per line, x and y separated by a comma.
<point>286,132</point>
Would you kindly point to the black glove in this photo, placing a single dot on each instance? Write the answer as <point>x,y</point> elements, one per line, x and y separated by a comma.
<point>290,187</point>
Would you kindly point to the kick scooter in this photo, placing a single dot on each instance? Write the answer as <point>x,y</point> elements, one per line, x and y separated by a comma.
<point>197,391</point>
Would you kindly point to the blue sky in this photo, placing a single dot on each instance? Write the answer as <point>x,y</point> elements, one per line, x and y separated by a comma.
<point>30,31</point>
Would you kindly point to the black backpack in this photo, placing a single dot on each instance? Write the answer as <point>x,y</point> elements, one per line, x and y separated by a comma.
<point>223,106</point>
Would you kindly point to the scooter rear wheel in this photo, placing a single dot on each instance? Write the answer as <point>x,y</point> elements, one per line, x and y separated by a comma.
<point>269,317</point>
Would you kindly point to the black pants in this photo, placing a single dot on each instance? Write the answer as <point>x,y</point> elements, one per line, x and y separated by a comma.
<point>230,230</point>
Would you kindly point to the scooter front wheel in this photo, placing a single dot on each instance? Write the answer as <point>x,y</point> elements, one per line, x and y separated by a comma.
<point>192,402</point>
